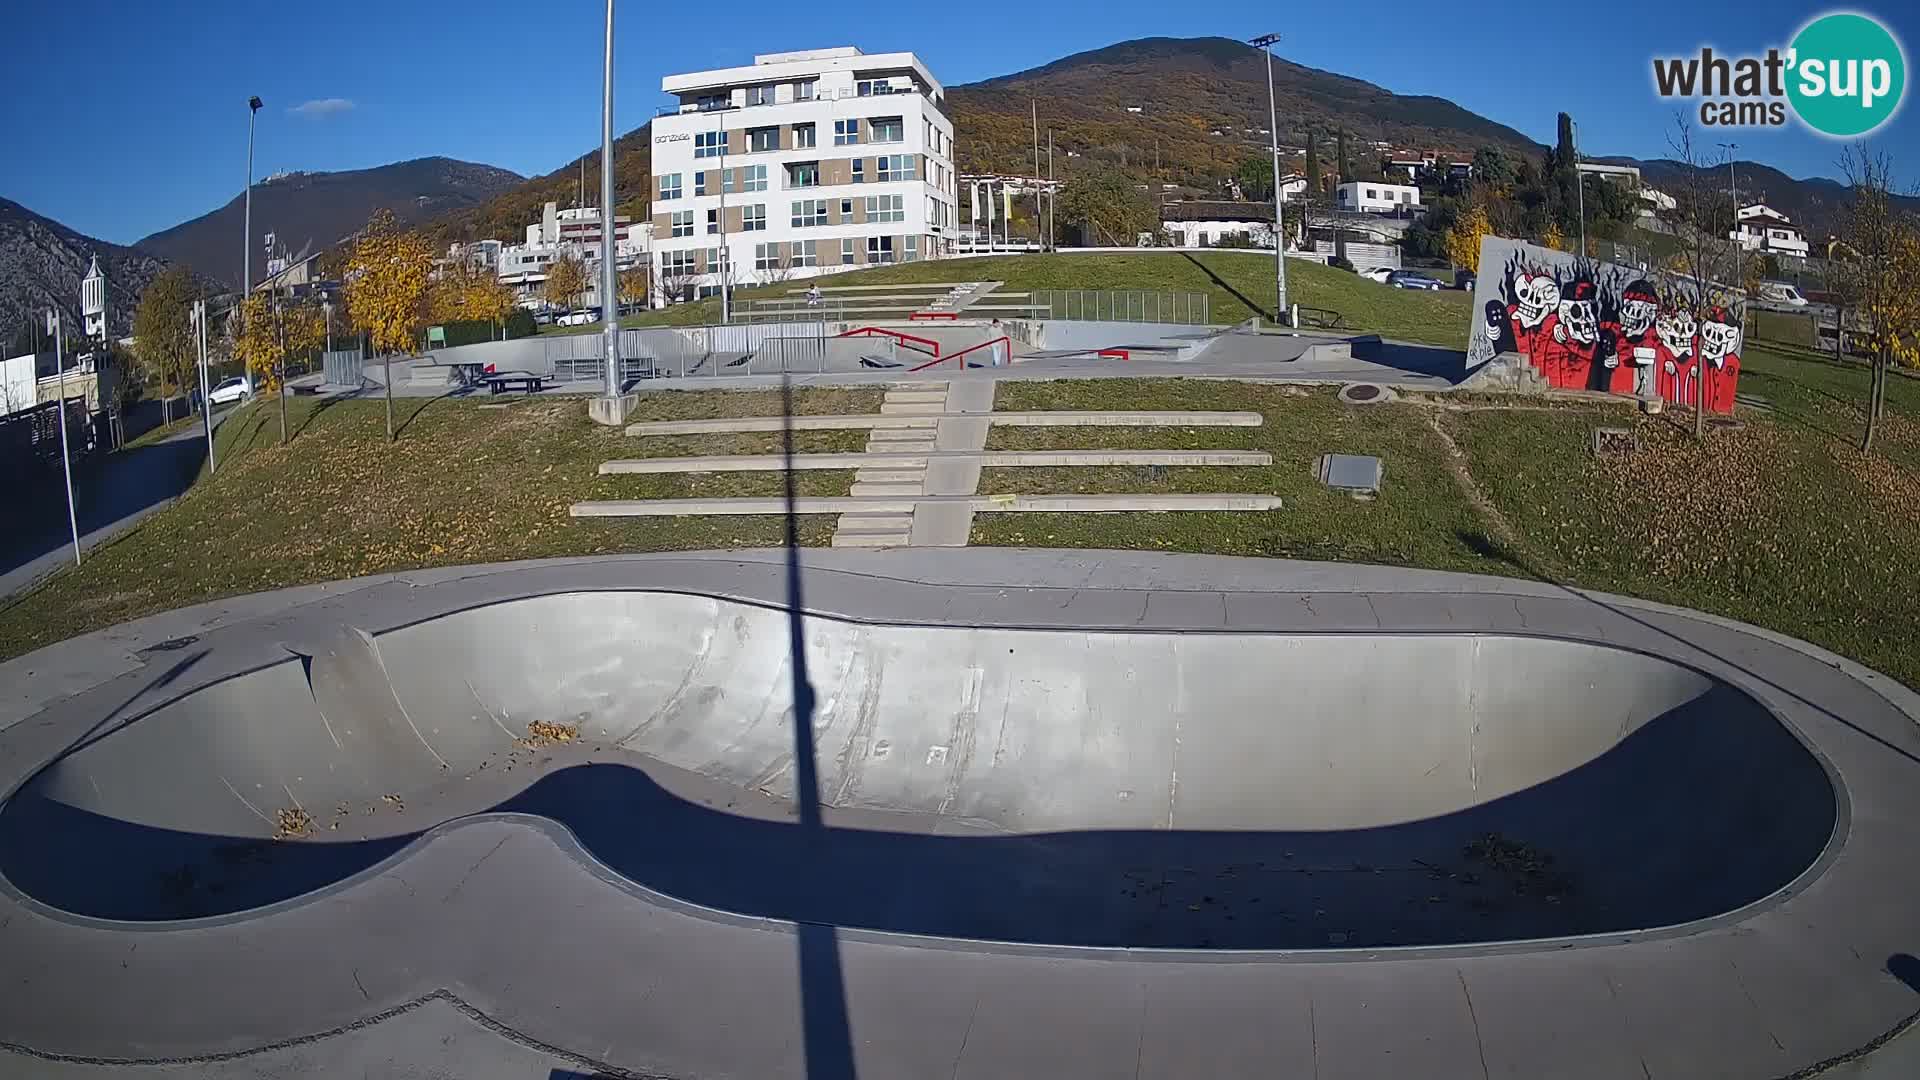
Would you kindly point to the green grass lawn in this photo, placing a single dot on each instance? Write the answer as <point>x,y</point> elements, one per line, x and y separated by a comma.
<point>1239,285</point>
<point>1782,522</point>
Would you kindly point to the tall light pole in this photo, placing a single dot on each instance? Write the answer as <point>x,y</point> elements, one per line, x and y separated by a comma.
<point>1579,184</point>
<point>609,273</point>
<point>726,260</point>
<point>66,456</point>
<point>199,319</point>
<point>246,271</point>
<point>1733,186</point>
<point>1265,43</point>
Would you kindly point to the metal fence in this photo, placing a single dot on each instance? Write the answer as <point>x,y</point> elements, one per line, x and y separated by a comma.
<point>343,367</point>
<point>1109,305</point>
<point>647,353</point>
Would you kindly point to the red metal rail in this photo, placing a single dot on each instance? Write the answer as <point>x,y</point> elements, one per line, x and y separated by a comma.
<point>1114,354</point>
<point>1002,339</point>
<point>933,316</point>
<point>870,331</point>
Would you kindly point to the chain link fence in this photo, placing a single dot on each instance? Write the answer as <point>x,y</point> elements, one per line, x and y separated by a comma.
<point>1111,305</point>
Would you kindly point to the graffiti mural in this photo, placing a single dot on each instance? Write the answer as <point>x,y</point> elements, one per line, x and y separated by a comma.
<point>1589,325</point>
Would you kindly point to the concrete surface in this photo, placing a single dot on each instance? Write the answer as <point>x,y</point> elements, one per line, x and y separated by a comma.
<point>612,411</point>
<point>1268,770</point>
<point>855,421</point>
<point>992,459</point>
<point>905,499</point>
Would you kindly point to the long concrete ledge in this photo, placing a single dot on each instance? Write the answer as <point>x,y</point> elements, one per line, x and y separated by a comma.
<point>903,504</point>
<point>989,458</point>
<point>856,421</point>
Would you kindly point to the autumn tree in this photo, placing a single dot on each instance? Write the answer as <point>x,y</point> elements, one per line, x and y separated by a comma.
<point>271,332</point>
<point>1109,207</point>
<point>1463,240</point>
<point>634,286</point>
<point>163,332</point>
<point>1705,257</point>
<point>566,281</point>
<point>387,291</point>
<point>1883,277</point>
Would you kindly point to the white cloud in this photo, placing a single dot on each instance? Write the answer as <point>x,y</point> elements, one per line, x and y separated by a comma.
<point>320,107</point>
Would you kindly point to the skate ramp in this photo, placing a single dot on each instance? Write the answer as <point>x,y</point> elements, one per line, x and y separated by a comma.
<point>1254,791</point>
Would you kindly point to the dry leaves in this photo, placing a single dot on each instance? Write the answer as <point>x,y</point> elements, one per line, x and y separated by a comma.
<point>547,733</point>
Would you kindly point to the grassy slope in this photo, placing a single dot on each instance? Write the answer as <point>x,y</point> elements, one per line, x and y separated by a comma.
<point>1238,284</point>
<point>463,484</point>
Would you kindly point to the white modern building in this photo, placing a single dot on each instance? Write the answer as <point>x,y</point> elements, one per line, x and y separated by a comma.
<point>824,160</point>
<point>1770,232</point>
<point>1371,197</point>
<point>573,232</point>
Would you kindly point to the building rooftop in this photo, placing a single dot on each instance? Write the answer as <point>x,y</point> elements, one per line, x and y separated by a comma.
<point>776,67</point>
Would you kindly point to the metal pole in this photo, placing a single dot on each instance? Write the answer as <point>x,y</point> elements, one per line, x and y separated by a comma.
<point>1280,315</point>
<point>726,301</point>
<point>609,285</point>
<point>246,244</point>
<point>1052,195</point>
<point>1035,104</point>
<point>66,455</point>
<point>1579,184</point>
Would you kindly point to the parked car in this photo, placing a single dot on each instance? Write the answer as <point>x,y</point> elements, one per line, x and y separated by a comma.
<point>575,318</point>
<point>1377,273</point>
<point>238,388</point>
<point>1407,279</point>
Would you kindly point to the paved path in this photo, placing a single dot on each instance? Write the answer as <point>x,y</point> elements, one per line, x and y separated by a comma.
<point>117,493</point>
<point>509,920</point>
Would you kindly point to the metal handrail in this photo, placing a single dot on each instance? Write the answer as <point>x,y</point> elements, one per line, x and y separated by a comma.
<point>1001,340</point>
<point>869,331</point>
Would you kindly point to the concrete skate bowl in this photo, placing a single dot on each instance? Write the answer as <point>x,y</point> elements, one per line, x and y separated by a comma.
<point>1147,790</point>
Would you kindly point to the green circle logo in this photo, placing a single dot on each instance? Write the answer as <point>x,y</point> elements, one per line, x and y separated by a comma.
<point>1847,74</point>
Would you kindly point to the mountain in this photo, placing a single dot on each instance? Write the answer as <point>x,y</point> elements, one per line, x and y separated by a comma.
<point>42,262</point>
<point>507,213</point>
<point>1186,90</point>
<point>1814,203</point>
<point>318,209</point>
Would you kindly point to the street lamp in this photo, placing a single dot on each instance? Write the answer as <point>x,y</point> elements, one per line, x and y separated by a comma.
<point>1265,43</point>
<point>246,243</point>
<point>1733,186</point>
<point>609,294</point>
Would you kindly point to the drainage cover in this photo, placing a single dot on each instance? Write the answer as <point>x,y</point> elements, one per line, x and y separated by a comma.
<point>1364,394</point>
<point>1355,474</point>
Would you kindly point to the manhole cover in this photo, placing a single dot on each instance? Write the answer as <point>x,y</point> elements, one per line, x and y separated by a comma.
<point>1364,394</point>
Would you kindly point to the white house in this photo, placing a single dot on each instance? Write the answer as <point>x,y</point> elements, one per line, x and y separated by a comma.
<point>824,160</point>
<point>1372,197</point>
<point>1770,232</point>
<point>1206,222</point>
<point>572,232</point>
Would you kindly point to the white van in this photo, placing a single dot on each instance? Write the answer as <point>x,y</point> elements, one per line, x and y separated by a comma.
<point>1780,292</point>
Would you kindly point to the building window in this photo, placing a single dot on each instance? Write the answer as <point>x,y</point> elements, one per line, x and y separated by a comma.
<point>913,249</point>
<point>846,250</point>
<point>846,210</point>
<point>718,260</point>
<point>726,181</point>
<point>894,167</point>
<point>879,249</point>
<point>670,186</point>
<point>803,136</point>
<point>700,183</point>
<point>753,178</point>
<point>805,90</point>
<point>769,256</point>
<point>682,222</point>
<point>677,262</point>
<point>761,140</point>
<point>759,95</point>
<point>709,143</point>
<point>859,171</point>
<point>803,174</point>
<point>809,212</point>
<point>846,132</point>
<point>1372,194</point>
<point>886,208</point>
<point>713,221</point>
<point>805,253</point>
<point>753,218</point>
<point>710,102</point>
<point>886,129</point>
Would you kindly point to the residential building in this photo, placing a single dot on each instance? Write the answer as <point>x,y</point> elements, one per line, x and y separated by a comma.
<point>1372,197</point>
<point>573,232</point>
<point>824,160</point>
<point>1621,174</point>
<point>1212,222</point>
<point>1768,231</point>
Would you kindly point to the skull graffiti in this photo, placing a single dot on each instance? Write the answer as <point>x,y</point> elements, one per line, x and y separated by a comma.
<point>1534,295</point>
<point>1718,337</point>
<point>1577,316</point>
<point>1639,306</point>
<point>1676,331</point>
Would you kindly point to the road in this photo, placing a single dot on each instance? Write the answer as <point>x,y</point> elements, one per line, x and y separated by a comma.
<point>113,494</point>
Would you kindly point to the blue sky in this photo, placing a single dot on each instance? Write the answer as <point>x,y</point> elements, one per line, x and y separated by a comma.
<point>127,117</point>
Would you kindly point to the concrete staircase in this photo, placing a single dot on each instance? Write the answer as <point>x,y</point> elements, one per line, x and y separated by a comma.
<point>892,477</point>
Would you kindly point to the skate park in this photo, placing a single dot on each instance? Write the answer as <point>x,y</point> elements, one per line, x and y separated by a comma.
<point>1072,812</point>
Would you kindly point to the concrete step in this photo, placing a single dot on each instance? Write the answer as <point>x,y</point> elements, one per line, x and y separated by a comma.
<point>893,490</point>
<point>890,476</point>
<point>891,447</point>
<point>904,504</point>
<point>872,540</point>
<point>913,408</point>
<point>876,523</point>
<point>901,435</point>
<point>895,421</point>
<point>917,397</point>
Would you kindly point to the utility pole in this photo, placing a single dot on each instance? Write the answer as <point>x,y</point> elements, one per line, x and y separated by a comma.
<point>1034,103</point>
<point>206,406</point>
<point>609,294</point>
<point>1053,196</point>
<point>66,455</point>
<point>246,244</point>
<point>1281,315</point>
<point>726,263</point>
